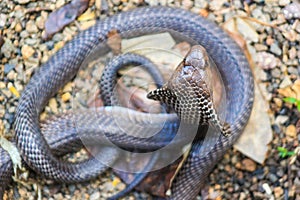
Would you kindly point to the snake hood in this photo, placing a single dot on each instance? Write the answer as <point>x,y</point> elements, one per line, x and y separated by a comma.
<point>189,91</point>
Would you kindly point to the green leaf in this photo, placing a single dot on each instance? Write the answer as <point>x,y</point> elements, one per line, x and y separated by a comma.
<point>290,99</point>
<point>281,149</point>
<point>298,106</point>
<point>291,153</point>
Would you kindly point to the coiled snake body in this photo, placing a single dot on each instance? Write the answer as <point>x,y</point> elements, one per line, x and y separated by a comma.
<point>64,65</point>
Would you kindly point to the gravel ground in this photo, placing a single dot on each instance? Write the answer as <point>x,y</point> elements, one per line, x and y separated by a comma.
<point>273,45</point>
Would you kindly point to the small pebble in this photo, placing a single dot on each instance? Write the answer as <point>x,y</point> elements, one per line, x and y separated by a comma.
<point>249,165</point>
<point>278,192</point>
<point>291,131</point>
<point>95,196</point>
<point>23,1</point>
<point>31,27</point>
<point>285,82</point>
<point>18,27</point>
<point>53,105</point>
<point>266,60</point>
<point>273,178</point>
<point>8,68</point>
<point>276,73</point>
<point>66,97</point>
<point>27,51</point>
<point>275,49</point>
<point>281,119</point>
<point>3,18</point>
<point>267,188</point>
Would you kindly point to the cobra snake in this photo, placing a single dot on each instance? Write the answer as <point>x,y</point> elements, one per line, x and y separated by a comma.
<point>63,66</point>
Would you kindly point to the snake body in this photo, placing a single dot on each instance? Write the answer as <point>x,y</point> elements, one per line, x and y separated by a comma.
<point>63,66</point>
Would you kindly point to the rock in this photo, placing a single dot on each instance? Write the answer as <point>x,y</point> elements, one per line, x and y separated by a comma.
<point>266,60</point>
<point>276,73</point>
<point>201,4</point>
<point>273,178</point>
<point>68,87</point>
<point>292,53</point>
<point>280,172</point>
<point>18,27</point>
<point>291,131</point>
<point>187,4</point>
<point>31,27</point>
<point>260,47</point>
<point>59,3</point>
<point>95,196</point>
<point>11,76</point>
<point>66,97</point>
<point>285,82</point>
<point>275,49</point>
<point>98,4</point>
<point>23,1</point>
<point>216,4</point>
<point>249,165</point>
<point>53,105</point>
<point>40,22</point>
<point>281,119</point>
<point>278,102</point>
<point>278,192</point>
<point>116,2</point>
<point>292,10</point>
<point>3,18</point>
<point>27,51</point>
<point>267,188</point>
<point>293,70</point>
<point>8,48</point>
<point>284,2</point>
<point>2,85</point>
<point>8,68</point>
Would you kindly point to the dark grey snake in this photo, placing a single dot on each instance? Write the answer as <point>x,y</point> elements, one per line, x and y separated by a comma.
<point>63,66</point>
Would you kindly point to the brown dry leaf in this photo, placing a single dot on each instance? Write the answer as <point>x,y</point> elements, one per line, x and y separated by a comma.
<point>258,133</point>
<point>1,41</point>
<point>291,91</point>
<point>231,28</point>
<point>58,19</point>
<point>114,41</point>
<point>95,100</point>
<point>183,48</point>
<point>156,182</point>
<point>136,98</point>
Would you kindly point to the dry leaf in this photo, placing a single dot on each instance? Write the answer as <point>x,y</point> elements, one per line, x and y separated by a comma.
<point>95,101</point>
<point>135,98</point>
<point>58,19</point>
<point>114,41</point>
<point>231,28</point>
<point>1,41</point>
<point>156,182</point>
<point>258,133</point>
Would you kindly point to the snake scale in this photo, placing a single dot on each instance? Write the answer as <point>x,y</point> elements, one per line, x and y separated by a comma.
<point>63,66</point>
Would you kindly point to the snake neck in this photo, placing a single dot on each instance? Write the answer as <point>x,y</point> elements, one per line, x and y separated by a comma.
<point>189,92</point>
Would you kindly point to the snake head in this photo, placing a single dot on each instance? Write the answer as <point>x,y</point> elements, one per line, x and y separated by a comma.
<point>189,90</point>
